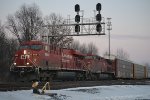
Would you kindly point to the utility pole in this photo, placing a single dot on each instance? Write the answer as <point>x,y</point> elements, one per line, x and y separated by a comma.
<point>109,25</point>
<point>82,20</point>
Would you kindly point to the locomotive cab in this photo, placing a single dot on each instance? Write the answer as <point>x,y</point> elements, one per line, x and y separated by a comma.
<point>27,57</point>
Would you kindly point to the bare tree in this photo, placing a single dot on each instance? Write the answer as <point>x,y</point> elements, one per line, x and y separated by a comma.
<point>3,41</point>
<point>75,45</point>
<point>92,48</point>
<point>13,26</point>
<point>121,54</point>
<point>106,54</point>
<point>12,48</point>
<point>54,20</point>
<point>146,64</point>
<point>7,49</point>
<point>26,23</point>
<point>83,48</point>
<point>7,46</point>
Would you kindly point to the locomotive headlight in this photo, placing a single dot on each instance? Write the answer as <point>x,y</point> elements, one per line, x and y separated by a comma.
<point>14,63</point>
<point>27,63</point>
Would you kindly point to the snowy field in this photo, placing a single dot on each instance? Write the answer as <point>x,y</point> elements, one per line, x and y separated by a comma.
<point>115,92</point>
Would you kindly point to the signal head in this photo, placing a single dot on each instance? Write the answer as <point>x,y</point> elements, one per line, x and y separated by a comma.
<point>77,28</point>
<point>77,8</point>
<point>98,27</point>
<point>98,7</point>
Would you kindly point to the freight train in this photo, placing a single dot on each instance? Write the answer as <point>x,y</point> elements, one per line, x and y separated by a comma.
<point>36,60</point>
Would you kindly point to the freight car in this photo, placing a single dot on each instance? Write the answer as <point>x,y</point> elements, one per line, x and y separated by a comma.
<point>148,72</point>
<point>123,69</point>
<point>139,71</point>
<point>129,70</point>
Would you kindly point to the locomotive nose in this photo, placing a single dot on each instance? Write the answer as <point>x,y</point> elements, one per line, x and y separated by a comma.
<point>22,58</point>
<point>25,55</point>
<point>23,61</point>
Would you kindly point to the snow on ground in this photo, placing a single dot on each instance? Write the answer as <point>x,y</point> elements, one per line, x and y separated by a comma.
<point>114,92</point>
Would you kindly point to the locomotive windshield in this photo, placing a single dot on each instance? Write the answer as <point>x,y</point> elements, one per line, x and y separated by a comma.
<point>32,47</point>
<point>36,47</point>
<point>89,57</point>
<point>24,47</point>
<point>92,57</point>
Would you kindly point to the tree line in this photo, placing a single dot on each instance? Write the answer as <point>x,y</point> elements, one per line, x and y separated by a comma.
<point>27,24</point>
<point>8,47</point>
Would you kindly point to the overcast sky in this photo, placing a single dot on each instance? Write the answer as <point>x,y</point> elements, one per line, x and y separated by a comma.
<point>130,22</point>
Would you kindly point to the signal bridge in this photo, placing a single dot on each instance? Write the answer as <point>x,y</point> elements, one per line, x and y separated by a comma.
<point>89,26</point>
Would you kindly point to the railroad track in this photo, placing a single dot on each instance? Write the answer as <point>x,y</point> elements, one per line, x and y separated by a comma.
<point>13,86</point>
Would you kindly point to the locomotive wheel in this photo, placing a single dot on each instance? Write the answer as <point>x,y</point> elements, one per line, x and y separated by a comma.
<point>80,76</point>
<point>46,76</point>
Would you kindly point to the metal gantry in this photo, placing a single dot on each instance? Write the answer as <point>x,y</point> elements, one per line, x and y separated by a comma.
<point>89,26</point>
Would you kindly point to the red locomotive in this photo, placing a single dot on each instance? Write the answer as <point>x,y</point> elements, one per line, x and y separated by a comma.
<point>36,60</point>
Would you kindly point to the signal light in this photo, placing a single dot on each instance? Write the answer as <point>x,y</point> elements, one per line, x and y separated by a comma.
<point>77,28</point>
<point>77,18</point>
<point>98,28</point>
<point>77,8</point>
<point>98,17</point>
<point>98,7</point>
